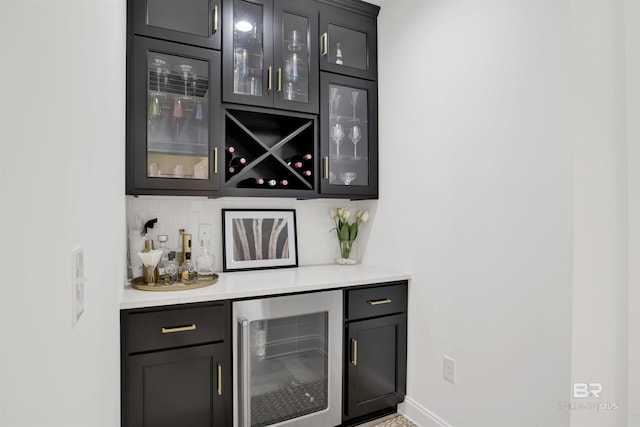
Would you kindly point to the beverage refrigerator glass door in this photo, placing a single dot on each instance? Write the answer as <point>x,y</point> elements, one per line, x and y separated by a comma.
<point>288,360</point>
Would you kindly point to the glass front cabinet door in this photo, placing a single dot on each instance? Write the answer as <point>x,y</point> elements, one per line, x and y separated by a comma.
<point>268,58</point>
<point>349,136</point>
<point>348,43</point>
<point>195,22</point>
<point>173,118</point>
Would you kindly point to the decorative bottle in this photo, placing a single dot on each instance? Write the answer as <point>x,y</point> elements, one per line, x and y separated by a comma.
<point>189,275</point>
<point>164,259</point>
<point>172,269</point>
<point>205,261</point>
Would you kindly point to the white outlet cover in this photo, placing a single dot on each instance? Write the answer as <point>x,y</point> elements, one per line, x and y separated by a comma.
<point>77,284</point>
<point>449,369</point>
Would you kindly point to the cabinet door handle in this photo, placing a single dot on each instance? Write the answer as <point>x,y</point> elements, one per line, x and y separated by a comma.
<point>279,79</point>
<point>354,350</point>
<point>379,301</point>
<point>219,390</point>
<point>178,329</point>
<point>270,77</point>
<point>215,160</point>
<point>324,39</point>
<point>326,167</point>
<point>215,19</point>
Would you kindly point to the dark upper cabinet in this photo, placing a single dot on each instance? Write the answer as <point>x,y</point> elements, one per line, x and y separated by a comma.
<point>173,118</point>
<point>194,22</point>
<point>269,56</point>
<point>286,91</point>
<point>348,43</point>
<point>348,136</point>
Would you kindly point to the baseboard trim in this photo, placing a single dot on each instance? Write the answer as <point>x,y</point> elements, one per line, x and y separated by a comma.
<point>420,415</point>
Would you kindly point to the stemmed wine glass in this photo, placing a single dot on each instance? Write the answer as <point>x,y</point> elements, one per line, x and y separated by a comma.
<point>332,98</point>
<point>354,101</point>
<point>157,97</point>
<point>337,134</point>
<point>347,177</point>
<point>355,136</point>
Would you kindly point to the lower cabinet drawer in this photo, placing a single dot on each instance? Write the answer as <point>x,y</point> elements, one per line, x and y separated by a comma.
<point>167,328</point>
<point>376,301</point>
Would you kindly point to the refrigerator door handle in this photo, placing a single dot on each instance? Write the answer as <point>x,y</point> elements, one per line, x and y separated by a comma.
<point>244,372</point>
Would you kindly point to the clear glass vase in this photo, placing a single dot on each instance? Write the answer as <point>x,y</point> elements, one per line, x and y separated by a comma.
<point>347,253</point>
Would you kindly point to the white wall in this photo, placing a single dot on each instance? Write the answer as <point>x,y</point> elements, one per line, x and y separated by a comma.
<point>476,200</point>
<point>632,28</point>
<point>600,226</point>
<point>62,185</point>
<point>509,122</point>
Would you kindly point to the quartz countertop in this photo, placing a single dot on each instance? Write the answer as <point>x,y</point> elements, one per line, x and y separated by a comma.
<point>249,284</point>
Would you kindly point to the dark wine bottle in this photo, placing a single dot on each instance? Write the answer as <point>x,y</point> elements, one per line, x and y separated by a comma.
<point>298,161</point>
<point>229,155</point>
<point>274,183</point>
<point>306,173</point>
<point>236,164</point>
<point>251,183</point>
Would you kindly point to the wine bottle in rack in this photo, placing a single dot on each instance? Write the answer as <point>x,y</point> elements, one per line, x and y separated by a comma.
<point>251,183</point>
<point>306,173</point>
<point>236,164</point>
<point>275,183</point>
<point>229,155</point>
<point>298,161</point>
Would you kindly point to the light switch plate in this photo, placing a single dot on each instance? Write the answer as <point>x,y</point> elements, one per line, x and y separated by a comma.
<point>77,284</point>
<point>204,234</point>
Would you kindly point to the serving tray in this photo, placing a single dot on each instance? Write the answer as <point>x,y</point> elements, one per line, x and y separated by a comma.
<point>138,283</point>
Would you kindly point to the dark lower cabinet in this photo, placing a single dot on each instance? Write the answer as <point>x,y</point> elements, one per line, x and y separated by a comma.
<point>176,368</point>
<point>375,353</point>
<point>376,372</point>
<point>178,387</point>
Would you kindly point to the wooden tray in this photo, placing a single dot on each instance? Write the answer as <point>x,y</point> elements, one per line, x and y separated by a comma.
<point>138,283</point>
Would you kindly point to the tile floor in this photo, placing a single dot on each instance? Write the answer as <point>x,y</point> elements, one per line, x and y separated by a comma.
<point>393,420</point>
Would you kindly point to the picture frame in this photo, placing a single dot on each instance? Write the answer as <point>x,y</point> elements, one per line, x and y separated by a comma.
<point>255,239</point>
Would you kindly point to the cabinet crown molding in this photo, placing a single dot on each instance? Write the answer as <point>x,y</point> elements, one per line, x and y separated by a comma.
<point>355,6</point>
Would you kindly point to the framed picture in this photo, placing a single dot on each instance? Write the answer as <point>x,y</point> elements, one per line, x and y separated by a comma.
<point>259,238</point>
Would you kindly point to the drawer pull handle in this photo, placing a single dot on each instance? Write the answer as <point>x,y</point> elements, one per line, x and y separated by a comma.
<point>219,379</point>
<point>179,329</point>
<point>379,301</point>
<point>354,345</point>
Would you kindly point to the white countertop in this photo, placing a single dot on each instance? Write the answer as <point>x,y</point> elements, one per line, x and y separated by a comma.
<point>247,284</point>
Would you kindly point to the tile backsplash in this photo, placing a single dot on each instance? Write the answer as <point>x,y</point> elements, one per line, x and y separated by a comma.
<point>316,238</point>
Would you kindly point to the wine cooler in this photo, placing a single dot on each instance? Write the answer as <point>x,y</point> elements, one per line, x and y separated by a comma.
<point>288,360</point>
